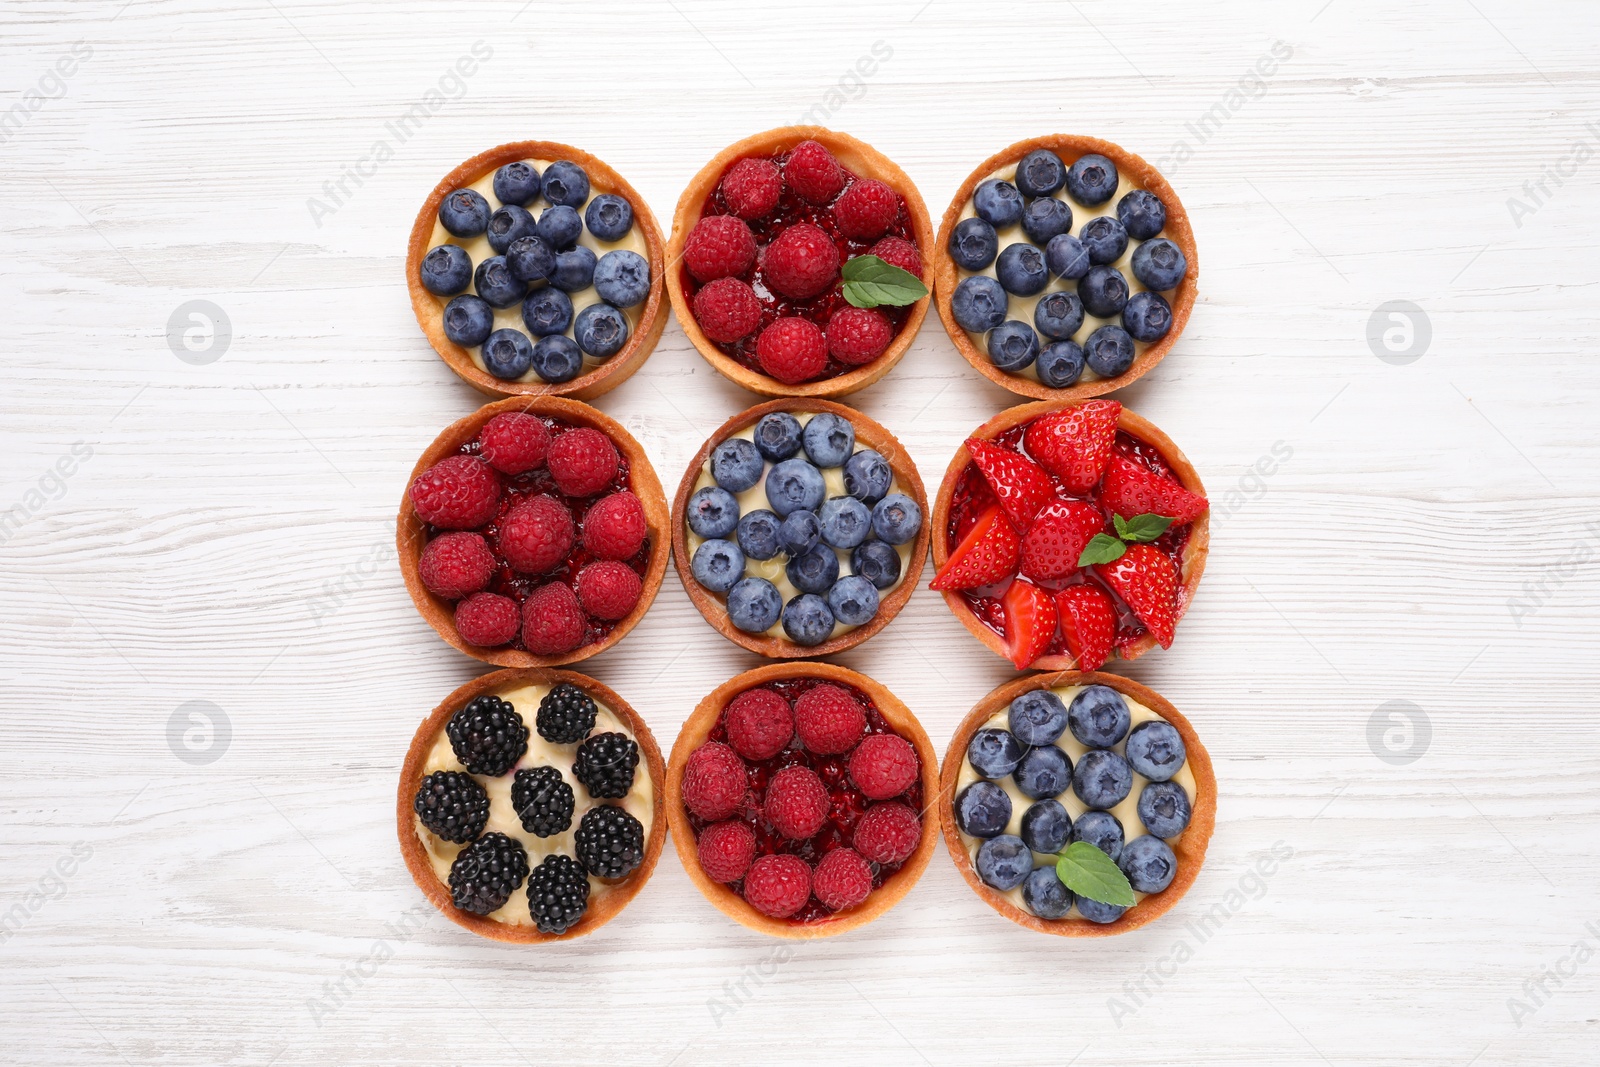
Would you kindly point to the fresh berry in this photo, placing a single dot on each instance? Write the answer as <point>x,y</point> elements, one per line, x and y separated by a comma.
<point>1037,717</point>
<point>1155,749</point>
<point>552,620</point>
<point>566,183</point>
<point>883,766</point>
<point>494,282</point>
<point>536,535</point>
<point>1105,239</point>
<point>1099,912</point>
<point>464,212</point>
<point>1130,488</point>
<point>608,589</point>
<point>718,565</point>
<point>1164,809</point>
<point>543,801</point>
<point>1045,772</point>
<point>457,493</point>
<point>1003,862</point>
<point>1060,364</point>
<point>719,246</point>
<point>792,350</point>
<point>1045,895</point>
<point>1104,291</point>
<point>778,885</point>
<point>896,518</point>
<point>1021,485</point>
<point>508,224</point>
<point>1159,265</point>
<point>1066,257</point>
<point>1147,317</point>
<point>800,531</point>
<point>727,310</point>
<point>1102,830</point>
<point>990,552</point>
<point>853,600</point>
<point>979,304</point>
<point>1058,315</point>
<point>1046,826</point>
<point>899,252</point>
<point>574,270</point>
<point>514,441</point>
<point>1099,717</point>
<point>777,436</point>
<point>1046,218</point>
<point>866,210</point>
<point>487,872</point>
<point>566,714</point>
<point>713,782</point>
<point>507,354</point>
<point>982,809</point>
<point>829,719</point>
<point>843,879</point>
<point>583,461</point>
<point>468,320</point>
<point>452,805</point>
<point>622,279</point>
<point>813,173</point>
<point>752,187</point>
<point>796,803</point>
<point>558,228</point>
<point>1109,351</point>
<point>807,620</point>
<point>814,570</point>
<point>973,244</point>
<point>726,850</point>
<point>858,335</point>
<point>1102,779</point>
<point>801,262</point>
<point>1030,616</point>
<point>606,763</point>
<point>760,724</point>
<point>488,619</point>
<point>614,527</point>
<point>757,534</point>
<point>547,312</point>
<point>867,476</point>
<point>846,522</point>
<point>1092,179</point>
<point>736,464</point>
<point>712,511</point>
<point>1020,269</point>
<point>446,270</point>
<point>754,605</point>
<point>1058,536</point>
<point>1040,173</point>
<point>531,258</point>
<point>609,217</point>
<point>1075,443</point>
<point>609,842</point>
<point>1012,345</point>
<point>888,833</point>
<point>878,563</point>
<point>1147,581</point>
<point>994,753</point>
<point>558,894</point>
<point>454,565</point>
<point>997,202</point>
<point>1149,863</point>
<point>487,735</point>
<point>1088,624</point>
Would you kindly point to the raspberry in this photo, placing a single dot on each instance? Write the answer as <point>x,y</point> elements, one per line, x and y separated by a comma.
<point>552,621</point>
<point>614,527</point>
<point>727,310</point>
<point>792,350</point>
<point>858,335</point>
<point>812,172</point>
<point>899,252</point>
<point>488,619</point>
<point>759,723</point>
<point>726,850</point>
<point>801,261</point>
<point>888,833</point>
<point>453,565</point>
<point>842,879</point>
<point>608,589</point>
<point>713,781</point>
<point>778,885</point>
<point>752,187</point>
<point>829,719</point>
<point>719,246</point>
<point>458,493</point>
<point>797,802</point>
<point>536,535</point>
<point>583,461</point>
<point>514,441</point>
<point>866,210</point>
<point>883,766</point>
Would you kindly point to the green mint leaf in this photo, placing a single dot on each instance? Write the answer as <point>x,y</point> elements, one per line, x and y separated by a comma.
<point>1102,548</point>
<point>870,282</point>
<point>1142,527</point>
<point>1090,873</point>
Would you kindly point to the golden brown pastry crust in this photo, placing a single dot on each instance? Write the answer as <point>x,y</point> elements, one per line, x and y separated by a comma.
<point>698,726</point>
<point>590,384</point>
<point>857,156</point>
<point>1178,230</point>
<point>715,609</point>
<point>1190,846</point>
<point>602,909</point>
<point>410,535</point>
<point>1194,553</point>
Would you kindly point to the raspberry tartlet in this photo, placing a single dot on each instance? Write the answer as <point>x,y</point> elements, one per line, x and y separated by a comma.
<point>529,806</point>
<point>1065,267</point>
<point>797,795</point>
<point>1067,534</point>
<point>800,528</point>
<point>533,533</point>
<point>536,269</point>
<point>1051,766</point>
<point>799,263</point>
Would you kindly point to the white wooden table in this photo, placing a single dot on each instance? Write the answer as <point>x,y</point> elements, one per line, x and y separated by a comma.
<point>225,532</point>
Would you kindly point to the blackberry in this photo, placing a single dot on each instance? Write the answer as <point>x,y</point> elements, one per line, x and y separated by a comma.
<point>605,765</point>
<point>452,805</point>
<point>609,842</point>
<point>542,800</point>
<point>487,872</point>
<point>566,715</point>
<point>488,736</point>
<point>558,894</point>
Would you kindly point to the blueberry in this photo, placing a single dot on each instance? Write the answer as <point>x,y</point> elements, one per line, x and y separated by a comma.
<point>1066,257</point>
<point>867,476</point>
<point>566,183</point>
<point>547,311</point>
<point>1058,315</point>
<point>973,244</point>
<point>853,600</point>
<point>1109,351</point>
<point>601,330</point>
<point>1046,826</point>
<point>718,565</point>
<point>494,282</point>
<point>896,519</point>
<point>758,534</point>
<point>1044,772</point>
<point>1020,269</point>
<point>778,435</point>
<point>1040,173</point>
<point>982,810</point>
<point>799,532</point>
<point>978,304</point>
<point>1155,750</point>
<point>877,562</point>
<point>1105,239</point>
<point>1149,864</point>
<point>446,270</point>
<point>997,202</point>
<point>1037,717</point>
<point>1104,291</point>
<point>1164,808</point>
<point>807,620</point>
<point>530,258</point>
<point>754,605</point>
<point>464,213</point>
<point>1091,180</point>
<point>1012,345</point>
<point>795,485</point>
<point>609,217</point>
<point>1102,830</point>
<point>1142,214</point>
<point>1147,317</point>
<point>1060,364</point>
<point>713,512</point>
<point>1159,265</point>
<point>1102,778</point>
<point>559,227</point>
<point>1045,895</point>
<point>846,522</point>
<point>517,183</point>
<point>468,320</point>
<point>1099,912</point>
<point>574,271</point>
<point>1004,862</point>
<point>506,225</point>
<point>994,753</point>
<point>1098,717</point>
<point>622,278</point>
<point>736,464</point>
<point>507,354</point>
<point>1046,218</point>
<point>557,358</point>
<point>828,439</point>
<point>814,571</point>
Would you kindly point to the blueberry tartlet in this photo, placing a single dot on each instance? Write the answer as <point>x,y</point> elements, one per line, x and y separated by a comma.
<point>1077,804</point>
<point>534,268</point>
<point>1065,267</point>
<point>529,806</point>
<point>800,528</point>
<point>799,263</point>
<point>797,793</point>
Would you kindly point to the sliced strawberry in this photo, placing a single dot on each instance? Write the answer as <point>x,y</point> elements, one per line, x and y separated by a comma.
<point>986,555</point>
<point>1021,484</point>
<point>1030,622</point>
<point>1052,545</point>
<point>1075,443</point>
<point>1147,581</point>
<point>1088,624</point>
<point>1130,489</point>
